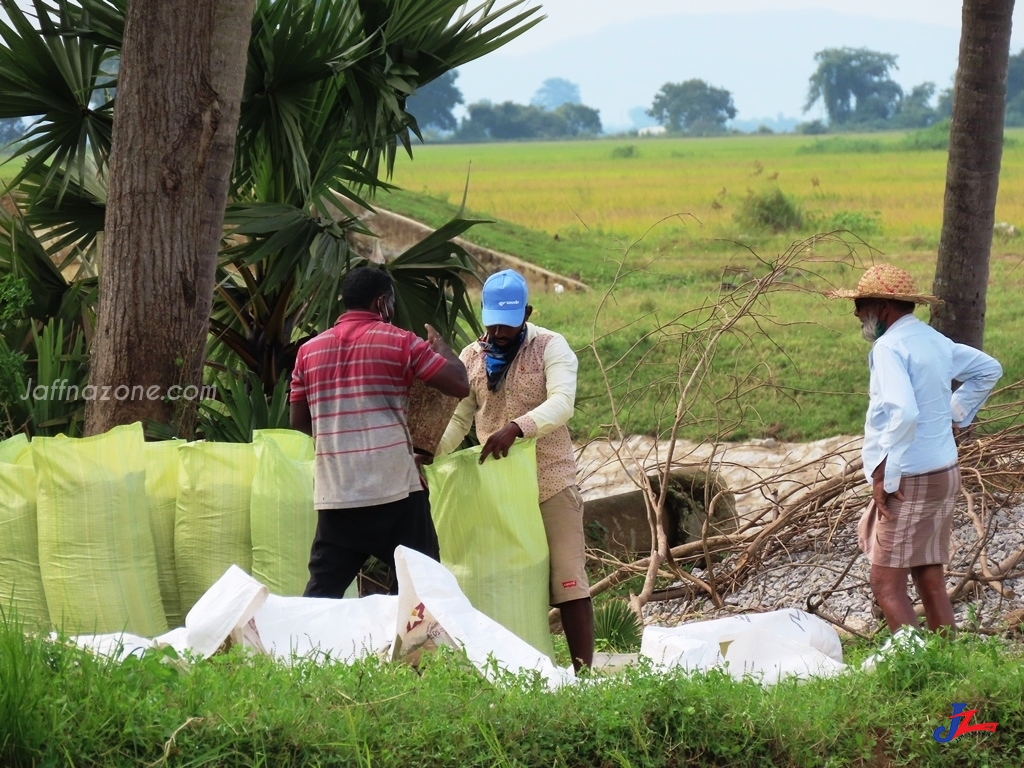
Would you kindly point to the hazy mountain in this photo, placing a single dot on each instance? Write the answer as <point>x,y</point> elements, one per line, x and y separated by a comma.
<point>763,59</point>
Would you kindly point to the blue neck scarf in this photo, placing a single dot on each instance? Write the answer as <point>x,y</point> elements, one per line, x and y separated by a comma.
<point>498,360</point>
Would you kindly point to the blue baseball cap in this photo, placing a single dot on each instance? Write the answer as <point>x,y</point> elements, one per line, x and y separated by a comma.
<point>504,299</point>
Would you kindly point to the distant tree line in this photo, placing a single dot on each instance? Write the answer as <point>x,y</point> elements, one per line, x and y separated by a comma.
<point>555,112</point>
<point>853,85</point>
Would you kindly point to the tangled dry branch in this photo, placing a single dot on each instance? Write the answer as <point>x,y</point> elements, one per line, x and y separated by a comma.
<point>992,466</point>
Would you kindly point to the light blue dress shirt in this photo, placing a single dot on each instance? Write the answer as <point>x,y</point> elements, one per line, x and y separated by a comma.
<point>912,407</point>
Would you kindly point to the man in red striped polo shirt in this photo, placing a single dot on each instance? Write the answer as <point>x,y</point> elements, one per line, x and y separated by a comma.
<point>350,391</point>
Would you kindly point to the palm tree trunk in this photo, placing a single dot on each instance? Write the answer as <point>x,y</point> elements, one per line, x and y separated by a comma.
<point>972,173</point>
<point>179,91</point>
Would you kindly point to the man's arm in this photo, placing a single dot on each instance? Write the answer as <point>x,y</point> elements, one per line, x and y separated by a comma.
<point>890,383</point>
<point>458,426</point>
<point>300,418</point>
<point>451,379</point>
<point>978,374</point>
<point>560,369</point>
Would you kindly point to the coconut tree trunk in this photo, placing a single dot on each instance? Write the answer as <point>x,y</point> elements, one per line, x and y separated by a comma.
<point>972,173</point>
<point>179,90</point>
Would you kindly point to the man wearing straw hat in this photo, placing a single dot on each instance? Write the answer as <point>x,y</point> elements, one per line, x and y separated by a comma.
<point>909,451</point>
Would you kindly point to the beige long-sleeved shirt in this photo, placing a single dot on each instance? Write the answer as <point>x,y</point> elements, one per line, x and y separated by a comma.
<point>538,394</point>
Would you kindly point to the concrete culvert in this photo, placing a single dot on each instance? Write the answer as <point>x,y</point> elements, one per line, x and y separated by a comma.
<point>618,524</point>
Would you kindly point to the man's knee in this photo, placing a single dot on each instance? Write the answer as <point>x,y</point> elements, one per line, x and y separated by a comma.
<point>929,577</point>
<point>888,581</point>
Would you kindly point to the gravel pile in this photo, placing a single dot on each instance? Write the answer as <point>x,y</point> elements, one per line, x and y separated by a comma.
<point>814,561</point>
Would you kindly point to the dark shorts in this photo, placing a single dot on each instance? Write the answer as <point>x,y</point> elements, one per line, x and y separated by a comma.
<point>346,538</point>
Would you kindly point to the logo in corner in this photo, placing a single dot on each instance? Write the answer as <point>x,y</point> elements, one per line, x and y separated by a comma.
<point>960,723</point>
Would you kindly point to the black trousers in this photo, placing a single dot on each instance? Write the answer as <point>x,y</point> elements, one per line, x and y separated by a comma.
<point>345,539</point>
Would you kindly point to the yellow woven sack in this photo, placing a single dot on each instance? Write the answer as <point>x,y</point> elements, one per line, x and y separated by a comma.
<point>96,554</point>
<point>492,536</point>
<point>162,497</point>
<point>281,510</point>
<point>21,585</point>
<point>211,518</point>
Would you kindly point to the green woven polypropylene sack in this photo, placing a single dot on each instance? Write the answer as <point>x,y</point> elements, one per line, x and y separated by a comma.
<point>13,448</point>
<point>282,513</point>
<point>162,498</point>
<point>492,536</point>
<point>21,585</point>
<point>96,554</point>
<point>212,531</point>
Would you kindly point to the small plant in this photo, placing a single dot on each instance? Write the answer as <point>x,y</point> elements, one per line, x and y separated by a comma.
<point>625,151</point>
<point>616,628</point>
<point>859,223</point>
<point>770,211</point>
<point>934,137</point>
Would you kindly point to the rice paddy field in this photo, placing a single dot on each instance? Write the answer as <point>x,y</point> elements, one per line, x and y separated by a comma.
<point>624,186</point>
<point>655,227</point>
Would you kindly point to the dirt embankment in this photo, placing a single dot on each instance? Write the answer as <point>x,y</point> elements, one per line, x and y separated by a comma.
<point>396,233</point>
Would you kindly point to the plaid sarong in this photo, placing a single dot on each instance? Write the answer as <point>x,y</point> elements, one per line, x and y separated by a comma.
<point>919,534</point>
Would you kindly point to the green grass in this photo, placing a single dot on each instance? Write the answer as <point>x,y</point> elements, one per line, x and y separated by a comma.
<point>62,706</point>
<point>660,231</point>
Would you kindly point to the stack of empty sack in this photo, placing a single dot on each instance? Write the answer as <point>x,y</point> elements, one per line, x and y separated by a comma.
<point>114,534</point>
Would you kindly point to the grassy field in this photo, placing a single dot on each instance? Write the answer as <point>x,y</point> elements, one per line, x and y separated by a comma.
<point>60,705</point>
<point>623,187</point>
<point>651,225</point>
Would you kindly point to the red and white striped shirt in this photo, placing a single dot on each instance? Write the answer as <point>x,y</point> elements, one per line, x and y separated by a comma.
<point>355,378</point>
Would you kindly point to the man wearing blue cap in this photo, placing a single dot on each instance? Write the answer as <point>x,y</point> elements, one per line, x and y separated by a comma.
<point>523,385</point>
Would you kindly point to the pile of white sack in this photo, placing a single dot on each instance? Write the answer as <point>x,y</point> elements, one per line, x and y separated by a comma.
<point>430,610</point>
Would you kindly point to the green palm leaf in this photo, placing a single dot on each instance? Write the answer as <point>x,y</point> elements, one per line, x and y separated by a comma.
<point>50,72</point>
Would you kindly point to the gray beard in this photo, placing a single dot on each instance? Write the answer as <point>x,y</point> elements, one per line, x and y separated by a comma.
<point>869,329</point>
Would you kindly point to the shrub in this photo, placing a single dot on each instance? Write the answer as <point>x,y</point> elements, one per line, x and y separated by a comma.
<point>841,145</point>
<point>812,128</point>
<point>628,150</point>
<point>934,137</point>
<point>770,210</point>
<point>859,223</point>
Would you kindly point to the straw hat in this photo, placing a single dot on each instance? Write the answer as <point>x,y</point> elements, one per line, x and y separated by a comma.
<point>884,281</point>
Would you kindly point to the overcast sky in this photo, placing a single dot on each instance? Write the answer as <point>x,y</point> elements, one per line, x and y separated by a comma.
<point>620,52</point>
<point>567,19</point>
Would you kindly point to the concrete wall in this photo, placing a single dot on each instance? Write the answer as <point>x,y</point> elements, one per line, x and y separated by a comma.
<point>397,233</point>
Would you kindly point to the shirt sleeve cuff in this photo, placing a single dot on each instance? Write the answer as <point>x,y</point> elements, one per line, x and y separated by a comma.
<point>527,425</point>
<point>959,411</point>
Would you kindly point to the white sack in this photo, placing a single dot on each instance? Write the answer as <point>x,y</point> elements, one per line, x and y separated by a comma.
<point>345,630</point>
<point>223,612</point>
<point>767,645</point>
<point>432,607</point>
<point>667,649</point>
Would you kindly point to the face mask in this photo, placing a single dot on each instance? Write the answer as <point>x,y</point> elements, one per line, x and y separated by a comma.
<point>871,328</point>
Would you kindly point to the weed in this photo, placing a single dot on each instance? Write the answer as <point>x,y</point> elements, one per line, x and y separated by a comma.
<point>771,211</point>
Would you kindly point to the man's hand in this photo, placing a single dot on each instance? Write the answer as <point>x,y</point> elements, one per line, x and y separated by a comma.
<point>438,344</point>
<point>497,445</point>
<point>878,493</point>
<point>881,498</point>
